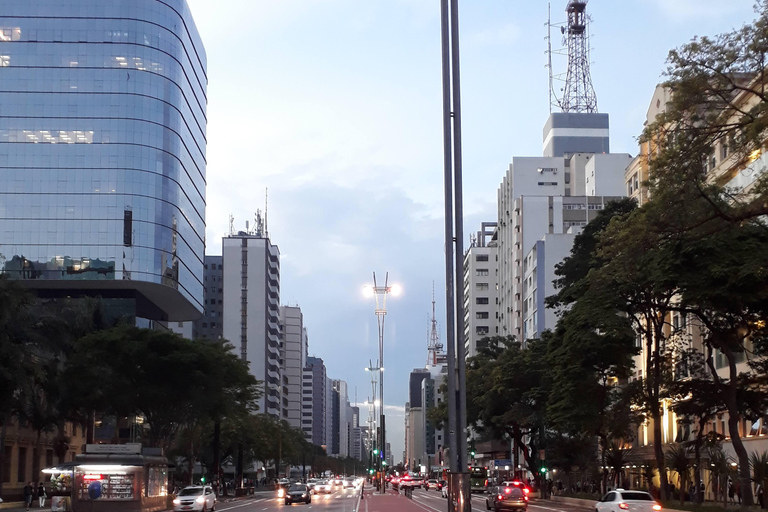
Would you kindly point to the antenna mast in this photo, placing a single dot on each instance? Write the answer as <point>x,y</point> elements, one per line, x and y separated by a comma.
<point>579,95</point>
<point>266,209</point>
<point>435,345</point>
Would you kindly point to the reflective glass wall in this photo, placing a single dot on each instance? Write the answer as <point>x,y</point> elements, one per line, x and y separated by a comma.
<point>102,147</point>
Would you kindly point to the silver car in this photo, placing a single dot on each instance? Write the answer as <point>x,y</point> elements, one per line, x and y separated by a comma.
<point>195,498</point>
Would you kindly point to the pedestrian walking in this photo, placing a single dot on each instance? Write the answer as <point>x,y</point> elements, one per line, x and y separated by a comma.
<point>760,494</point>
<point>28,491</point>
<point>731,492</point>
<point>41,495</point>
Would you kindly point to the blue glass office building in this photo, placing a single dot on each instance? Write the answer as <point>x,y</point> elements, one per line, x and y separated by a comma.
<point>102,151</point>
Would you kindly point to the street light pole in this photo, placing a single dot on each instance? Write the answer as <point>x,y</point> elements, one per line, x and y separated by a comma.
<point>380,293</point>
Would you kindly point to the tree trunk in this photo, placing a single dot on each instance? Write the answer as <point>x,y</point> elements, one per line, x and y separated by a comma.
<point>733,428</point>
<point>697,459</point>
<point>653,361</point>
<point>3,433</point>
<point>217,458</point>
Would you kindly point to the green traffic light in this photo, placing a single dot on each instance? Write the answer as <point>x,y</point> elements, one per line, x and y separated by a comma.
<point>375,452</point>
<point>543,470</point>
<point>202,479</point>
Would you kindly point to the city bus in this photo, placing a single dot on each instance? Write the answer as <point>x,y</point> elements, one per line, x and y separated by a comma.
<point>478,479</point>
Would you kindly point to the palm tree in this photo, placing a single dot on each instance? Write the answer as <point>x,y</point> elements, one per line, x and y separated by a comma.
<point>649,471</point>
<point>616,458</point>
<point>720,469</point>
<point>677,460</point>
<point>759,463</point>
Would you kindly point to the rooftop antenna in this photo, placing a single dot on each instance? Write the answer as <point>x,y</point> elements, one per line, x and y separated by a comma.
<point>266,208</point>
<point>579,95</point>
<point>231,225</point>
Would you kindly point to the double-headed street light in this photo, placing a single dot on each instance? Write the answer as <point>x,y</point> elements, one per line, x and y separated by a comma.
<point>380,293</point>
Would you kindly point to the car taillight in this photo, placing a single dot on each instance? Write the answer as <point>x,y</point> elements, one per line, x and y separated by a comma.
<point>486,483</point>
<point>623,506</point>
<point>501,497</point>
<point>525,498</point>
<point>526,490</point>
<point>657,507</point>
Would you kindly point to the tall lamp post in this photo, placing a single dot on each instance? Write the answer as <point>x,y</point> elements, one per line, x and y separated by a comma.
<point>380,293</point>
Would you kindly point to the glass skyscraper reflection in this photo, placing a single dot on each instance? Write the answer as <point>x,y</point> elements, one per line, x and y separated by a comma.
<point>102,151</point>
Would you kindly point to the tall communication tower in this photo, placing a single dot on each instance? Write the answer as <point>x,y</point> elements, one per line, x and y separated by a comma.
<point>578,94</point>
<point>435,346</point>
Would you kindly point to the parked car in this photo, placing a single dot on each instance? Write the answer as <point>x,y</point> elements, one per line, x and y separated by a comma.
<point>196,497</point>
<point>621,500</point>
<point>298,493</point>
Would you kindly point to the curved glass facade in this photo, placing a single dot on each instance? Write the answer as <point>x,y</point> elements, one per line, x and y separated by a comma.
<point>102,149</point>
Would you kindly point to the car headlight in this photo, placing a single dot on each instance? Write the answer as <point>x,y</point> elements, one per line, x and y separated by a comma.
<point>177,501</point>
<point>303,495</point>
<point>200,499</point>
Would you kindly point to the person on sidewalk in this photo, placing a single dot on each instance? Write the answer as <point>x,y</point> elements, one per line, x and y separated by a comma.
<point>29,490</point>
<point>41,495</point>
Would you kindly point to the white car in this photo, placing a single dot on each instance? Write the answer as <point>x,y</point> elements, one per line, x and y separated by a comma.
<point>621,500</point>
<point>194,498</point>
<point>324,487</point>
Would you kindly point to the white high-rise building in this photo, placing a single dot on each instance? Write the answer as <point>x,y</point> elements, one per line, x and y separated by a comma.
<point>251,309</point>
<point>294,361</point>
<point>481,284</point>
<point>539,197</point>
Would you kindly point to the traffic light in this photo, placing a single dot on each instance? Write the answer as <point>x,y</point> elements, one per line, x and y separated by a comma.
<point>472,453</point>
<point>384,463</point>
<point>202,479</point>
<point>375,451</point>
<point>370,471</point>
<point>543,470</point>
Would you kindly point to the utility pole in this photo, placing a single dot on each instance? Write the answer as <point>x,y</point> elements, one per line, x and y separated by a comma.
<point>458,483</point>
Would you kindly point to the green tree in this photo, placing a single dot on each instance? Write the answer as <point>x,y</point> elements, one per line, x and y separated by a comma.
<point>507,390</point>
<point>170,381</point>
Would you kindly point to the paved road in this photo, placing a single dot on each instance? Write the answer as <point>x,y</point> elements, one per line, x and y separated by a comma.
<point>432,501</point>
<point>339,501</point>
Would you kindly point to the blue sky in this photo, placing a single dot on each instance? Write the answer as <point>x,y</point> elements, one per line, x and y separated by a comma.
<point>335,106</point>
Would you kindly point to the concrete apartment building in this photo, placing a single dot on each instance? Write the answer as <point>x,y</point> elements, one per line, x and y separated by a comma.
<point>416,433</point>
<point>556,194</point>
<point>211,325</point>
<point>480,288</point>
<point>252,311</point>
<point>340,419</point>
<point>314,401</point>
<point>294,356</point>
<point>739,173</point>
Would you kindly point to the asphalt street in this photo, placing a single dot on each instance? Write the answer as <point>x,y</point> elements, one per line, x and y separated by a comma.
<point>348,500</point>
<point>338,501</point>
<point>432,501</point>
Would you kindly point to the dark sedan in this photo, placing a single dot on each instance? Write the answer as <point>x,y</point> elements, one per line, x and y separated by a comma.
<point>297,494</point>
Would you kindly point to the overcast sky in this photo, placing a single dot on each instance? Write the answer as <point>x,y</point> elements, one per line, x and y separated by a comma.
<point>335,106</point>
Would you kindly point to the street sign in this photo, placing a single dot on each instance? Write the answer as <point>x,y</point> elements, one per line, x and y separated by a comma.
<point>500,463</point>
